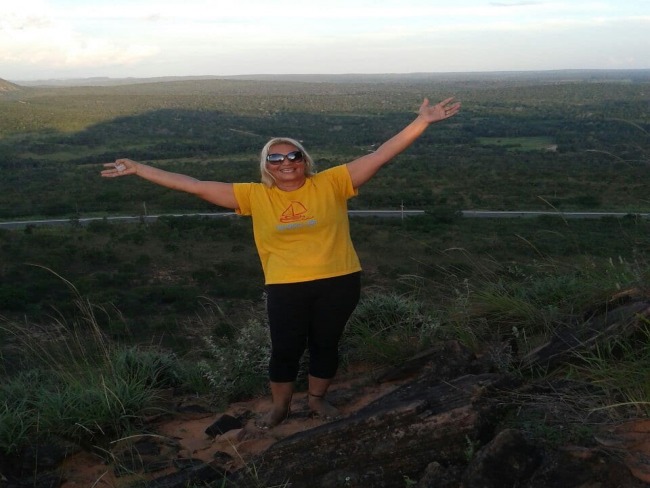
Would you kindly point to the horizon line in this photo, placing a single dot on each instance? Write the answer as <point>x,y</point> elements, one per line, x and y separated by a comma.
<point>405,73</point>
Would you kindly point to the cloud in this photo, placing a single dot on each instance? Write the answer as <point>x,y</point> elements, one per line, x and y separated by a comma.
<point>74,51</point>
<point>32,34</point>
<point>117,37</point>
<point>11,22</point>
<point>514,4</point>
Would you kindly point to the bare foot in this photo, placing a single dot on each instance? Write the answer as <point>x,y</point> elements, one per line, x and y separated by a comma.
<point>272,418</point>
<point>250,431</point>
<point>322,408</point>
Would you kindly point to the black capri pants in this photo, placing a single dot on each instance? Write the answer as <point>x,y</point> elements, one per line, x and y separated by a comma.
<point>309,315</point>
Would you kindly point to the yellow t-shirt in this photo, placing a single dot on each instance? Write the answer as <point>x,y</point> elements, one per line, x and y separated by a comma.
<point>302,235</point>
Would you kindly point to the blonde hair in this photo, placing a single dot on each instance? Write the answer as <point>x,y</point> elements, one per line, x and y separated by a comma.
<point>267,178</point>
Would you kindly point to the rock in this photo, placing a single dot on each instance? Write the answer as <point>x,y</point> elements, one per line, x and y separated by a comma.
<point>507,460</point>
<point>197,475</point>
<point>224,424</point>
<point>624,316</point>
<point>631,441</point>
<point>438,476</point>
<point>376,447</point>
<point>147,455</point>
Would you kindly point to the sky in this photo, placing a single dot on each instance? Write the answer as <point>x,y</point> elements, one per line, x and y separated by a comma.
<point>63,39</point>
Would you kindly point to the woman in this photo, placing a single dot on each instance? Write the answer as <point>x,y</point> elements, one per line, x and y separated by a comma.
<point>301,230</point>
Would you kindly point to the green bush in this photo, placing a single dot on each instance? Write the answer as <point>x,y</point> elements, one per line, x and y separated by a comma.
<point>238,364</point>
<point>155,369</point>
<point>388,328</point>
<point>87,405</point>
<point>78,385</point>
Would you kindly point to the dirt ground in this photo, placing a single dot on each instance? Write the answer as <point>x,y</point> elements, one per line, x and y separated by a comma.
<point>348,394</point>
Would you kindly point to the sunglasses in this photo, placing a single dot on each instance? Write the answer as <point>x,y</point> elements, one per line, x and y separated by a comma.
<point>278,158</point>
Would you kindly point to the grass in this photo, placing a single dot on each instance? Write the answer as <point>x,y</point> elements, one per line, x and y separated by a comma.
<point>387,328</point>
<point>238,354</point>
<point>75,385</point>
<point>519,143</point>
<point>79,385</point>
<point>621,367</point>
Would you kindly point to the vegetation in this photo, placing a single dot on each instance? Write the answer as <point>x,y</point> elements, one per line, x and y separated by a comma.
<point>94,388</point>
<point>103,317</point>
<point>75,384</point>
<point>519,143</point>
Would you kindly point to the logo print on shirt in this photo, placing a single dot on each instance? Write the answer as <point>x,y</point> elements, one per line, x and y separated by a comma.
<point>295,212</point>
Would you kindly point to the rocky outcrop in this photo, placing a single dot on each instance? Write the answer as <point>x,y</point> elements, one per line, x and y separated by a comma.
<point>458,421</point>
<point>394,438</point>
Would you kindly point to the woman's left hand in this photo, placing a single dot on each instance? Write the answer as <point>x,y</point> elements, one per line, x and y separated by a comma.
<point>440,111</point>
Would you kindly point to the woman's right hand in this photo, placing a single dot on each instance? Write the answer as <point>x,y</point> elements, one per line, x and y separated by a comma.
<point>120,167</point>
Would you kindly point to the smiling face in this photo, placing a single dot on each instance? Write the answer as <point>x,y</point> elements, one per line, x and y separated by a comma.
<point>288,175</point>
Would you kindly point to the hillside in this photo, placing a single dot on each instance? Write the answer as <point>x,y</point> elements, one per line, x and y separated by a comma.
<point>445,417</point>
<point>6,86</point>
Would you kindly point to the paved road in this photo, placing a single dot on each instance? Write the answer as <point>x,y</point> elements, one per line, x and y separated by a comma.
<point>21,224</point>
<point>486,214</point>
<point>497,214</point>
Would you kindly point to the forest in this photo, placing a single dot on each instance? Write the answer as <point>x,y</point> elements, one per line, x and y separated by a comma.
<point>547,141</point>
<point>520,143</point>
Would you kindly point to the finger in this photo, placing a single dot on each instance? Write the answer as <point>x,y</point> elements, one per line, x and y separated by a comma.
<point>118,168</point>
<point>451,110</point>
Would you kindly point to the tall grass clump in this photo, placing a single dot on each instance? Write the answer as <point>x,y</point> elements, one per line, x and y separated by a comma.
<point>387,328</point>
<point>18,416</point>
<point>76,385</point>
<point>86,405</point>
<point>621,368</point>
<point>238,353</point>
<point>527,303</point>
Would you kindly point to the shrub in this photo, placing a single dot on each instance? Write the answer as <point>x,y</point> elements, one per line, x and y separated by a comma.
<point>388,328</point>
<point>76,384</point>
<point>238,366</point>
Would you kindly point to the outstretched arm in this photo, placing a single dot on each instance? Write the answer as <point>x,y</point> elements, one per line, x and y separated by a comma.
<point>216,192</point>
<point>365,167</point>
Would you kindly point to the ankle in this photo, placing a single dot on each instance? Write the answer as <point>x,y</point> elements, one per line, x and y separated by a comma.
<point>279,409</point>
